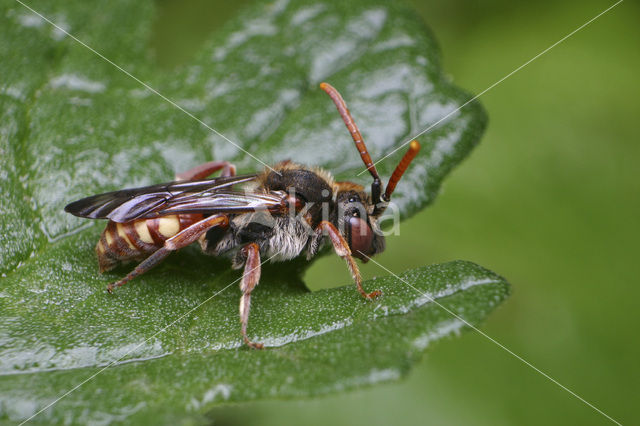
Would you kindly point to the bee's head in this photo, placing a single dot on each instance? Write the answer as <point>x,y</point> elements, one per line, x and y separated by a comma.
<point>357,213</point>
<point>357,225</point>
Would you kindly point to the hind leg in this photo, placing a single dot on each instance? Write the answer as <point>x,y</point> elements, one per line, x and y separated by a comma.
<point>204,170</point>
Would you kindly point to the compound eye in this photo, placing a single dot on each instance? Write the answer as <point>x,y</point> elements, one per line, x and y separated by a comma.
<point>360,237</point>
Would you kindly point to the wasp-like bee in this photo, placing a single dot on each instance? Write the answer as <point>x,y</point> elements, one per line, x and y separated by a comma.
<point>278,214</point>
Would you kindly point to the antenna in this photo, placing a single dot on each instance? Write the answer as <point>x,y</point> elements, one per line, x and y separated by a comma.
<point>376,186</point>
<point>408,157</point>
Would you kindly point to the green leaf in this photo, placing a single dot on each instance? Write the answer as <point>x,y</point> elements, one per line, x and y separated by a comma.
<point>327,341</point>
<point>73,125</point>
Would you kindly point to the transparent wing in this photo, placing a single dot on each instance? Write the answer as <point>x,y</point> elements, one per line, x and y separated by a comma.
<point>205,196</point>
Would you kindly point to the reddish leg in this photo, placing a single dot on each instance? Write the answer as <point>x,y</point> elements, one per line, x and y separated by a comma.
<point>204,170</point>
<point>342,249</point>
<point>178,241</point>
<point>250,278</point>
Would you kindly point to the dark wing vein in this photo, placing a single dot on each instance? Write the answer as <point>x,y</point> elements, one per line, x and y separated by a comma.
<point>204,196</point>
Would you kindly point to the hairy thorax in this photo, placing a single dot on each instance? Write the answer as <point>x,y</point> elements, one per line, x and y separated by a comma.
<point>280,236</point>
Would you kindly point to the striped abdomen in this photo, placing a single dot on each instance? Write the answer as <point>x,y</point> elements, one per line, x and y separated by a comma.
<point>137,240</point>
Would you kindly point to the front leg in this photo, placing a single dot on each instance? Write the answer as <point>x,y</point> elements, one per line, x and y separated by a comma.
<point>342,249</point>
<point>250,278</point>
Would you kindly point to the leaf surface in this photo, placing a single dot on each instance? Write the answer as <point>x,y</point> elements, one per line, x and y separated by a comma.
<point>73,125</point>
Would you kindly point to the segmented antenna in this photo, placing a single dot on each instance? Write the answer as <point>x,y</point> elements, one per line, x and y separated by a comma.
<point>414,147</point>
<point>353,129</point>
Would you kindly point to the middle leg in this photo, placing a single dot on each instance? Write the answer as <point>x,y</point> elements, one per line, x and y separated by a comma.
<point>204,170</point>
<point>250,278</point>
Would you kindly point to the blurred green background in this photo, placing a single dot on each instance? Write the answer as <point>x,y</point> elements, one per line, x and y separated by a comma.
<point>549,199</point>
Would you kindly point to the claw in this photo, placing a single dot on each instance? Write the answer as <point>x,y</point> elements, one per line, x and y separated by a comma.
<point>373,295</point>
<point>253,345</point>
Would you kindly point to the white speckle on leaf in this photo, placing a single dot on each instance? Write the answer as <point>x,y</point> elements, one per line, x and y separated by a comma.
<point>342,51</point>
<point>394,43</point>
<point>374,376</point>
<point>442,330</point>
<point>326,61</point>
<point>389,80</point>
<point>447,291</point>
<point>139,93</point>
<point>80,101</point>
<point>60,30</point>
<point>20,408</point>
<point>223,390</point>
<point>215,88</point>
<point>222,149</point>
<point>271,115</point>
<point>30,20</point>
<point>444,147</point>
<point>38,290</point>
<point>306,13</point>
<point>76,82</point>
<point>174,153</point>
<point>48,358</point>
<point>368,24</point>
<point>225,345</point>
<point>53,238</point>
<point>117,414</point>
<point>299,335</point>
<point>279,6</point>
<point>435,111</point>
<point>256,27</point>
<point>193,104</point>
<point>13,92</point>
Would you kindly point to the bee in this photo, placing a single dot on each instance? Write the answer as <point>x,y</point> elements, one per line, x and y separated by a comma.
<point>277,214</point>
